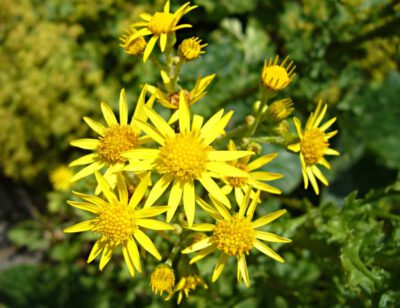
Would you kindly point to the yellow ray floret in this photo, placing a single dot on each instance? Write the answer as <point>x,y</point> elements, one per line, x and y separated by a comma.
<point>235,236</point>
<point>114,139</point>
<point>255,179</point>
<point>313,146</point>
<point>276,77</point>
<point>185,157</point>
<point>119,222</point>
<point>160,25</point>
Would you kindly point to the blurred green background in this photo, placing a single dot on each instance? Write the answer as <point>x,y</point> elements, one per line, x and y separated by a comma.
<point>60,59</point>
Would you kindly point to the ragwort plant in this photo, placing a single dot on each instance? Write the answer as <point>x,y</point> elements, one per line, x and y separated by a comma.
<point>139,161</point>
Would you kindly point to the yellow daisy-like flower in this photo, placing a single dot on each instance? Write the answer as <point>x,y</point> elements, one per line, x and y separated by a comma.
<point>133,46</point>
<point>190,48</point>
<point>185,157</point>
<point>313,146</point>
<point>160,25</point>
<point>113,140</point>
<point>279,110</point>
<point>60,177</point>
<point>277,77</point>
<point>171,101</point>
<point>119,222</point>
<point>186,284</point>
<point>162,279</point>
<point>235,236</point>
<point>255,179</point>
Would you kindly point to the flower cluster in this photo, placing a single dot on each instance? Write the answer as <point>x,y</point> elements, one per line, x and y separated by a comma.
<point>148,166</point>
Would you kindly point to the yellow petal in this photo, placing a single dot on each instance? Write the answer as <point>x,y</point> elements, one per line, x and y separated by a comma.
<point>227,155</point>
<point>128,260</point>
<point>96,126</point>
<point>166,7</point>
<point>266,176</point>
<point>163,41</point>
<point>81,227</point>
<point>331,152</point>
<point>108,114</point>
<point>139,154</point>
<point>268,251</point>
<point>86,144</point>
<point>211,122</point>
<point>84,160</point>
<point>149,47</point>
<point>151,132</point>
<point>122,189</point>
<point>261,161</point>
<point>134,254</point>
<point>140,191</point>
<point>88,170</point>
<point>184,116</point>
<point>204,227</point>
<point>295,147</point>
<point>174,199</point>
<point>105,187</point>
<point>243,270</point>
<point>106,256</point>
<point>219,267</point>
<point>313,181</point>
<point>145,16</point>
<point>209,209</point>
<point>239,196</point>
<point>214,189</point>
<point>270,237</point>
<point>197,123</point>
<point>189,202</point>
<point>204,243</point>
<point>297,124</point>
<point>162,126</point>
<point>158,189</point>
<point>217,130</point>
<point>154,224</point>
<point>151,211</point>
<point>319,175</point>
<point>265,187</point>
<point>252,206</point>
<point>202,254</point>
<point>327,124</point>
<point>146,243</point>
<point>96,250</point>
<point>123,108</point>
<point>225,169</point>
<point>90,198</point>
<point>85,206</point>
<point>267,219</point>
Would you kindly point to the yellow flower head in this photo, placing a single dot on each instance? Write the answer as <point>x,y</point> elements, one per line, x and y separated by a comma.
<point>277,77</point>
<point>171,101</point>
<point>60,177</point>
<point>162,279</point>
<point>255,178</point>
<point>131,43</point>
<point>119,222</point>
<point>235,235</point>
<point>279,110</point>
<point>160,25</point>
<point>313,146</point>
<point>114,139</point>
<point>185,157</point>
<point>190,48</point>
<point>186,284</point>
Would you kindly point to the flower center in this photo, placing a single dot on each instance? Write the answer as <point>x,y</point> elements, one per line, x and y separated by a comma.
<point>161,23</point>
<point>162,279</point>
<point>190,48</point>
<point>183,157</point>
<point>275,77</point>
<point>174,98</point>
<point>234,236</point>
<point>313,146</point>
<point>116,140</point>
<point>116,223</point>
<point>237,181</point>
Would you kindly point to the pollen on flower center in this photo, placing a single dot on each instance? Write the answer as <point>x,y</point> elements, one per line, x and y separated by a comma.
<point>238,181</point>
<point>183,157</point>
<point>116,223</point>
<point>234,236</point>
<point>161,23</point>
<point>275,77</point>
<point>313,145</point>
<point>115,141</point>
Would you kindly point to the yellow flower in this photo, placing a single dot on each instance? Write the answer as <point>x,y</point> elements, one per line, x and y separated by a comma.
<point>171,101</point>
<point>60,177</point>
<point>277,77</point>
<point>119,222</point>
<point>133,46</point>
<point>160,25</point>
<point>255,178</point>
<point>162,279</point>
<point>279,110</point>
<point>186,284</point>
<point>114,139</point>
<point>190,48</point>
<point>313,146</point>
<point>235,236</point>
<point>185,157</point>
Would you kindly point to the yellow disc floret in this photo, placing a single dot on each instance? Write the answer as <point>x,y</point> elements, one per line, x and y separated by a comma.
<point>116,223</point>
<point>183,157</point>
<point>238,181</point>
<point>313,146</point>
<point>116,140</point>
<point>235,236</point>
<point>190,48</point>
<point>161,23</point>
<point>162,279</point>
